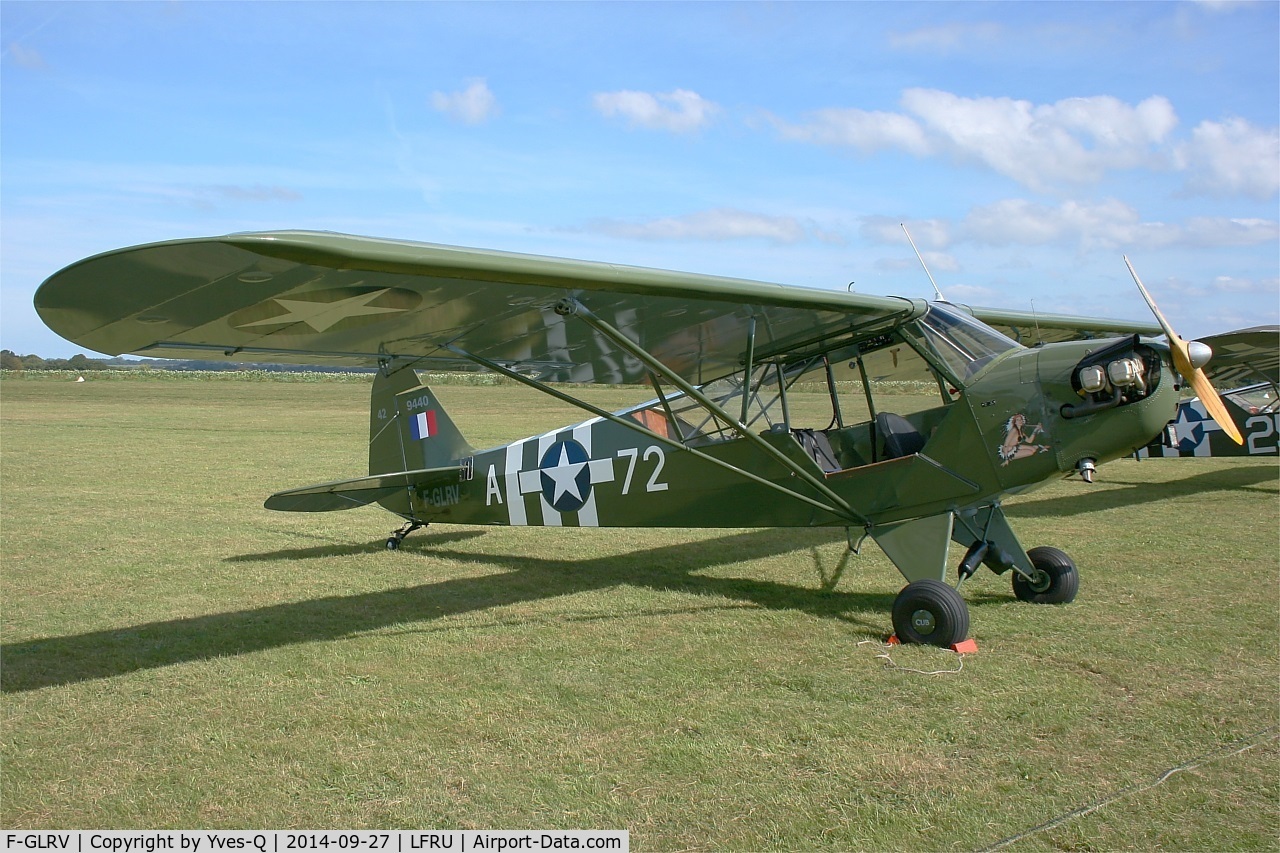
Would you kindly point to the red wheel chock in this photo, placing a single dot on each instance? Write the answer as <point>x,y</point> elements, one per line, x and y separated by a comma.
<point>964,647</point>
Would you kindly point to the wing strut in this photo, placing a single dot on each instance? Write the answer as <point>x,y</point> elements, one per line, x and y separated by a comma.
<point>666,407</point>
<point>572,307</point>
<point>748,369</point>
<point>842,510</point>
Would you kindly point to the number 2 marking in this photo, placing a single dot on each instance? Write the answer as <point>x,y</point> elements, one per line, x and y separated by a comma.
<point>632,454</point>
<point>1267,431</point>
<point>653,485</point>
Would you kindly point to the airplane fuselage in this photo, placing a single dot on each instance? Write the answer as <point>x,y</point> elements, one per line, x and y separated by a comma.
<point>1007,432</point>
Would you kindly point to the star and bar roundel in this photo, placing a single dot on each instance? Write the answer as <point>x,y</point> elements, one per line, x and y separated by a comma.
<point>565,476</point>
<point>562,474</point>
<point>335,309</point>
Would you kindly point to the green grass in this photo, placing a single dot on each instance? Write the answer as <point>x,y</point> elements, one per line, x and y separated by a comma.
<point>176,656</point>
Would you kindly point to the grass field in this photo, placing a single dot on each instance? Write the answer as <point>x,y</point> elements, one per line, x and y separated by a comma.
<point>175,656</point>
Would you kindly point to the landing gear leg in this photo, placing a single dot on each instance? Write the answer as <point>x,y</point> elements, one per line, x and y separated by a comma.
<point>1042,575</point>
<point>393,541</point>
<point>928,610</point>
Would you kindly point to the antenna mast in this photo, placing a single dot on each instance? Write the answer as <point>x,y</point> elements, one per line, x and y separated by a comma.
<point>941,298</point>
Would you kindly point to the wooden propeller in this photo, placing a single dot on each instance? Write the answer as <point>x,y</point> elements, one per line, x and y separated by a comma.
<point>1190,364</point>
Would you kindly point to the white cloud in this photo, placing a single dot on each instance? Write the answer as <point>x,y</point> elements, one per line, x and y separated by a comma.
<point>1045,147</point>
<point>1229,284</point>
<point>26,57</point>
<point>947,37</point>
<point>971,292</point>
<point>473,105</point>
<point>1042,146</point>
<point>718,224</point>
<point>928,233</point>
<point>1224,5</point>
<point>257,192</point>
<point>940,261</point>
<point>937,262</point>
<point>210,197</point>
<point>1232,157</point>
<point>868,131</point>
<point>1211,231</point>
<point>1073,141</point>
<point>680,111</point>
<point>1109,224</point>
<point>1022,222</point>
<point>1106,225</point>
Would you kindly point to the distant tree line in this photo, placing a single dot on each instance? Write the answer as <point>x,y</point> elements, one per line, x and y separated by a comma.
<point>9,360</point>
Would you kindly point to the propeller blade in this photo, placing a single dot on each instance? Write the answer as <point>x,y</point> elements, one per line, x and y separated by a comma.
<point>1214,406</point>
<point>1196,378</point>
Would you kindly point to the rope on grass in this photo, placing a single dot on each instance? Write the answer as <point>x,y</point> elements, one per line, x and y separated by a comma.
<point>1233,748</point>
<point>892,665</point>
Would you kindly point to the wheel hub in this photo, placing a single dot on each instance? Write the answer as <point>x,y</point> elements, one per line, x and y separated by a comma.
<point>924,622</point>
<point>1040,581</point>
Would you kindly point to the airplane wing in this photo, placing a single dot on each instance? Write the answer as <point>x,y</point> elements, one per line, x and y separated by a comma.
<point>318,298</point>
<point>1245,357</point>
<point>1030,328</point>
<point>323,298</point>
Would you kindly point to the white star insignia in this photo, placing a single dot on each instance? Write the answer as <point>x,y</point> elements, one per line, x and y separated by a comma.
<point>564,475</point>
<point>322,316</point>
<point>1185,428</point>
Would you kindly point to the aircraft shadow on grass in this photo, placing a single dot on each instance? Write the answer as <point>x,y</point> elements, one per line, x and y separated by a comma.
<point>348,550</point>
<point>52,661</point>
<point>47,662</point>
<point>1085,501</point>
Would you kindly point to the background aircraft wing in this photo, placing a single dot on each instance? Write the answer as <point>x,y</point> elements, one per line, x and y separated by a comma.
<point>320,298</point>
<point>1030,328</point>
<point>1245,357</point>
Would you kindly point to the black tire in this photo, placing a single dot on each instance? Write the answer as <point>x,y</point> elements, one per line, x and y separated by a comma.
<point>929,612</point>
<point>393,544</point>
<point>1056,580</point>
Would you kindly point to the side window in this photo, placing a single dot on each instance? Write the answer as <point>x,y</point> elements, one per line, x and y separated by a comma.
<point>654,419</point>
<point>899,380</point>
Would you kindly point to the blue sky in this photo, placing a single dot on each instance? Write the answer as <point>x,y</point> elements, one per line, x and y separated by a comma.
<point>1028,146</point>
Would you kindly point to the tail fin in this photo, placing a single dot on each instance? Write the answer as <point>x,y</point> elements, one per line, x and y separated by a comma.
<point>408,428</point>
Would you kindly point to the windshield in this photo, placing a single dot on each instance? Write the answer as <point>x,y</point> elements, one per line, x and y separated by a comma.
<point>962,344</point>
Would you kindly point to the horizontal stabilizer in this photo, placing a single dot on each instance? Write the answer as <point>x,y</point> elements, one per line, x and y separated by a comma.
<point>362,491</point>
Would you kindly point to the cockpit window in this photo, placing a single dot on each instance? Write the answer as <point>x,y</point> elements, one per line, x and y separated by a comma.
<point>1256,399</point>
<point>962,344</point>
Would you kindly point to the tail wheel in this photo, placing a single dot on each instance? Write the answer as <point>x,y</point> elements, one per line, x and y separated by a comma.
<point>929,612</point>
<point>1055,579</point>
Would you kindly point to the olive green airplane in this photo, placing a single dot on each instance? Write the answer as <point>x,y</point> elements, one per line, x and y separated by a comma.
<point>722,444</point>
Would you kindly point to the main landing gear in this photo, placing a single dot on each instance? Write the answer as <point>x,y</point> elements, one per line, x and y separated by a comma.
<point>931,612</point>
<point>394,540</point>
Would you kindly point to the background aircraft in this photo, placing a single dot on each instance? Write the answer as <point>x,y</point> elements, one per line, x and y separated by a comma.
<point>1247,361</point>
<point>764,410</point>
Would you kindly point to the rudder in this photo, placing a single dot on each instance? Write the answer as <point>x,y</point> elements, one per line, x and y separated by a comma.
<point>408,428</point>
